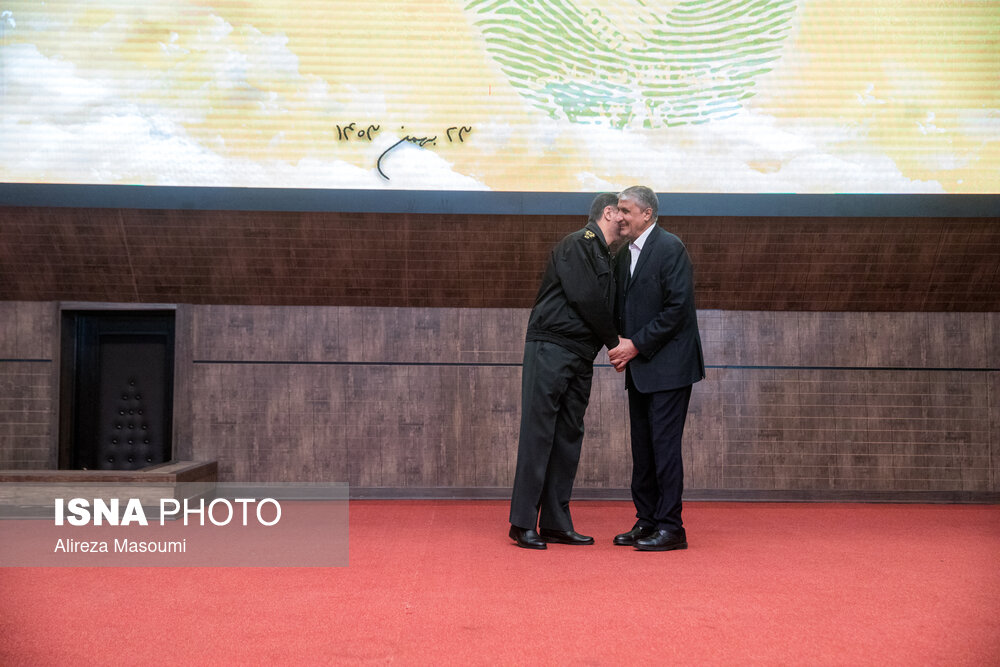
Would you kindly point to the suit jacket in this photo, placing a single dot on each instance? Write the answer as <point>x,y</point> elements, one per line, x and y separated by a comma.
<point>655,308</point>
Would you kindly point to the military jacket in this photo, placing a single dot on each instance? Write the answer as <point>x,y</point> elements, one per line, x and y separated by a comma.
<point>575,303</point>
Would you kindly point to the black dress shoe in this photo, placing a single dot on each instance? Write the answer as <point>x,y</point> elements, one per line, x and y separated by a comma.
<point>564,537</point>
<point>663,540</point>
<point>526,538</point>
<point>628,539</point>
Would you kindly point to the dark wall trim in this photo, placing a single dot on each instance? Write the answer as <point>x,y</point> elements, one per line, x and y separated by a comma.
<point>243,362</point>
<point>102,307</point>
<point>919,369</point>
<point>491,203</point>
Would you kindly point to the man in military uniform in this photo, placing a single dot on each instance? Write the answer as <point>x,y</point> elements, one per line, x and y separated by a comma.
<point>573,317</point>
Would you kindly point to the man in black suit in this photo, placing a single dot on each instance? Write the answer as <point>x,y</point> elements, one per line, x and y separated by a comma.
<point>661,355</point>
<point>573,317</point>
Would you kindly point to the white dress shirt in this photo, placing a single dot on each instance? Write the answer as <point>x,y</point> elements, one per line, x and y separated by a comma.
<point>635,247</point>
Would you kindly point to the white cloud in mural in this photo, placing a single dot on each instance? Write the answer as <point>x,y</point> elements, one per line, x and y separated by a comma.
<point>70,128</point>
<point>754,153</point>
<point>115,92</point>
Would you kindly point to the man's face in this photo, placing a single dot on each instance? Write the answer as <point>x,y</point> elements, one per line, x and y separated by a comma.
<point>633,220</point>
<point>614,233</point>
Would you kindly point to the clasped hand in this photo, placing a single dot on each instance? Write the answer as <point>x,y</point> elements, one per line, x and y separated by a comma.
<point>621,355</point>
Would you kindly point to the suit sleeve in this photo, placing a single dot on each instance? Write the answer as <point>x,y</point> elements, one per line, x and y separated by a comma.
<point>676,279</point>
<point>586,289</point>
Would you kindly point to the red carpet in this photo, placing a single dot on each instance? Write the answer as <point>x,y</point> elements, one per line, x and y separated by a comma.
<point>439,582</point>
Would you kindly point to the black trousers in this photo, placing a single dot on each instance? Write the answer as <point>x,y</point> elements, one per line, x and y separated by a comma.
<point>657,423</point>
<point>555,390</point>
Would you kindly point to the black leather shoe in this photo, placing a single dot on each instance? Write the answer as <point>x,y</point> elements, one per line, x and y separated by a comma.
<point>663,540</point>
<point>564,537</point>
<point>628,539</point>
<point>526,538</point>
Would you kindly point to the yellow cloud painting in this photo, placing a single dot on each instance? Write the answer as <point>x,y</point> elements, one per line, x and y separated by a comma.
<point>741,96</point>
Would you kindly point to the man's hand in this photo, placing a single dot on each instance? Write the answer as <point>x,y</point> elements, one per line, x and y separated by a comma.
<point>621,355</point>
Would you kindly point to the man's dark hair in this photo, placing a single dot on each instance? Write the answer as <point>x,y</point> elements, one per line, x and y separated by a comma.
<point>642,196</point>
<point>601,202</point>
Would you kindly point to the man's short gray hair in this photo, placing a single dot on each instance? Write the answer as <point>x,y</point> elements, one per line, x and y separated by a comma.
<point>642,196</point>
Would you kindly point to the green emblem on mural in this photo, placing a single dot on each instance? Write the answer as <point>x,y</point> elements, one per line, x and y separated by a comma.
<point>624,63</point>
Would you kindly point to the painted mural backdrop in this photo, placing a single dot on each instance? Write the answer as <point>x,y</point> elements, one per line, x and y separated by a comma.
<point>744,96</point>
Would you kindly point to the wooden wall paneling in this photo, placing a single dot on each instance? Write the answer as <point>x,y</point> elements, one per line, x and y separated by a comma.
<point>717,251</point>
<point>896,339</point>
<point>398,452</point>
<point>808,430</point>
<point>247,406</point>
<point>772,339</point>
<point>365,430</point>
<point>480,261</point>
<point>409,335</point>
<point>207,400</point>
<point>405,449</point>
<point>466,447</point>
<point>605,461</point>
<point>958,340</point>
<point>330,336</point>
<point>207,327</point>
<point>809,403</point>
<point>790,408</point>
<point>798,429</point>
<point>29,378</point>
<point>729,350</point>
<point>736,395</point>
<point>704,433</point>
<point>916,247</point>
<point>353,333</point>
<point>992,356</point>
<point>710,327</point>
<point>829,339</point>
<point>491,335</point>
<point>870,458</point>
<point>183,434</point>
<point>28,330</point>
<point>444,428</point>
<point>876,458</point>
<point>326,336</point>
<point>927,445</point>
<point>965,269</point>
<point>325,408</point>
<point>428,460</point>
<point>273,333</point>
<point>224,419</point>
<point>803,416</point>
<point>26,415</point>
<point>993,389</point>
<point>291,434</point>
<point>9,334</point>
<point>494,397</point>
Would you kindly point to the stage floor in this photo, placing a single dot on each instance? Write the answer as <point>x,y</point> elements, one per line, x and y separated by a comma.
<point>439,582</point>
